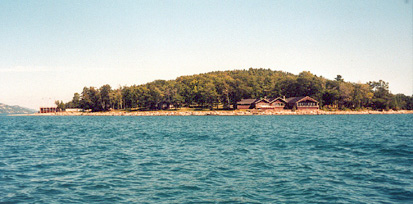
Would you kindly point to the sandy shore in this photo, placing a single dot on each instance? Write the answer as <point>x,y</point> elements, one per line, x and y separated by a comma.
<point>217,113</point>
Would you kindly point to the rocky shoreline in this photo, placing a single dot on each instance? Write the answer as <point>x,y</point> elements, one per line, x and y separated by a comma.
<point>219,113</point>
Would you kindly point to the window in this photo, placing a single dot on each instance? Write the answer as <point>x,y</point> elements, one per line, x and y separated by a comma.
<point>307,104</point>
<point>278,104</point>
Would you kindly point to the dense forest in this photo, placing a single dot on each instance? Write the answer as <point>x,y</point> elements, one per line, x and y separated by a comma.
<point>223,89</point>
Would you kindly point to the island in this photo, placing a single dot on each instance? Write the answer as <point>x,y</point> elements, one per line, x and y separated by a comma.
<point>237,92</point>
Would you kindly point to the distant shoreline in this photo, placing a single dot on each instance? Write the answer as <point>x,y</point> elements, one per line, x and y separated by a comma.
<point>216,113</point>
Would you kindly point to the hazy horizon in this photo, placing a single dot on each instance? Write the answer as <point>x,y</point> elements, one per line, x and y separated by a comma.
<point>51,50</point>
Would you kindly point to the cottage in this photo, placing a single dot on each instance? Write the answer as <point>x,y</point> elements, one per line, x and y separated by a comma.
<point>301,103</point>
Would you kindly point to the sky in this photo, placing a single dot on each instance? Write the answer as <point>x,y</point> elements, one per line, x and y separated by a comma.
<point>51,49</point>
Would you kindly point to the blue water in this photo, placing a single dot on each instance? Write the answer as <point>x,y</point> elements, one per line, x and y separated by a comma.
<point>207,159</point>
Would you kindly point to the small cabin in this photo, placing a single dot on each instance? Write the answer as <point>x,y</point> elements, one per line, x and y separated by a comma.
<point>302,103</point>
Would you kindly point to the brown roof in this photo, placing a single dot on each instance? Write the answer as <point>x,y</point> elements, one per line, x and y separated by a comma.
<point>264,99</point>
<point>247,101</point>
<point>253,100</point>
<point>299,98</point>
<point>290,100</point>
<point>278,98</point>
<point>294,99</point>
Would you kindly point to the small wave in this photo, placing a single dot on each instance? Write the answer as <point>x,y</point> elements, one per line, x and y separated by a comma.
<point>189,187</point>
<point>205,160</point>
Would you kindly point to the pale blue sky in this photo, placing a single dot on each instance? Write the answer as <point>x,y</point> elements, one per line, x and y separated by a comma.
<point>51,49</point>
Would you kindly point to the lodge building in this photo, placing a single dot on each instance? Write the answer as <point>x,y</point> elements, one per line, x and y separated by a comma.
<point>298,103</point>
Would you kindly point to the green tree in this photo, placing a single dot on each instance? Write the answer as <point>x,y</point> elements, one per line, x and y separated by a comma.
<point>85,100</point>
<point>116,98</point>
<point>228,87</point>
<point>105,97</point>
<point>331,94</point>
<point>96,100</point>
<point>223,89</point>
<point>60,105</point>
<point>331,97</point>
<point>346,91</point>
<point>339,78</point>
<point>130,96</point>
<point>382,96</point>
<point>155,96</point>
<point>76,101</point>
<point>308,85</point>
<point>171,94</point>
<point>207,95</point>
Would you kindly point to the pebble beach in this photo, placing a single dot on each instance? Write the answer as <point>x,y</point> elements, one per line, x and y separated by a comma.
<point>219,113</point>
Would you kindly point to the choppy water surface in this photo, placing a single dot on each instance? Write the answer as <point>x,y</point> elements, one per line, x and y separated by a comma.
<point>207,159</point>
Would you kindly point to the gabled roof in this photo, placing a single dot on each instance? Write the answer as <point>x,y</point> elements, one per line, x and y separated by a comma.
<point>290,100</point>
<point>264,99</point>
<point>275,99</point>
<point>294,99</point>
<point>252,100</point>
<point>299,99</point>
<point>247,101</point>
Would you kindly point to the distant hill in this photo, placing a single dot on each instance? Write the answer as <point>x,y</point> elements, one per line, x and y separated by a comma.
<point>6,109</point>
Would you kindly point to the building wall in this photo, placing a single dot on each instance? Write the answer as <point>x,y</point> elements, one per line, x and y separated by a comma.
<point>278,105</point>
<point>243,106</point>
<point>74,110</point>
<point>307,107</point>
<point>263,105</point>
<point>308,104</point>
<point>48,110</point>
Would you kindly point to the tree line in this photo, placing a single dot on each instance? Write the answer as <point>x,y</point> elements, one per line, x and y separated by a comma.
<point>225,88</point>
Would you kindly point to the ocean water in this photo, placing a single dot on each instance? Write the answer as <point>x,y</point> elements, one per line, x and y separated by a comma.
<point>207,159</point>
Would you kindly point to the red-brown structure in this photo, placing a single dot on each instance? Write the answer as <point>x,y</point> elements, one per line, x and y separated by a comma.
<point>278,103</point>
<point>246,103</point>
<point>302,103</point>
<point>49,110</point>
<point>298,103</point>
<point>263,104</point>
